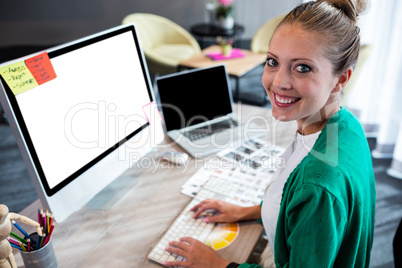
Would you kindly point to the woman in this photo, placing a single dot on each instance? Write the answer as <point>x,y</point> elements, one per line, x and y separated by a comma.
<point>319,211</point>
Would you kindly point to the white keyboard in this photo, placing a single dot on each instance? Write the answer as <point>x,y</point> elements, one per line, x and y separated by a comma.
<point>243,191</point>
<point>184,225</point>
<point>233,191</point>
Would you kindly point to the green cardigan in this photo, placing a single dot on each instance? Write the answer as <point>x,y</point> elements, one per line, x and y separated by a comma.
<point>326,218</point>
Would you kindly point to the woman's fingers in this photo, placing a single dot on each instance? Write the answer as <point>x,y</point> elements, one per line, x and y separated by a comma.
<point>177,263</point>
<point>181,248</point>
<point>202,203</point>
<point>224,212</point>
<point>176,250</point>
<point>195,254</point>
<point>189,240</point>
<point>203,206</point>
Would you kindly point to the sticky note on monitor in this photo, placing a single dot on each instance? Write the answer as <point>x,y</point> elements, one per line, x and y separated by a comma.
<point>25,75</point>
<point>151,112</point>
<point>41,68</point>
<point>18,77</point>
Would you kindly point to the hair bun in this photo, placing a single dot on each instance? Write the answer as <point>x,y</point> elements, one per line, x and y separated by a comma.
<point>351,8</point>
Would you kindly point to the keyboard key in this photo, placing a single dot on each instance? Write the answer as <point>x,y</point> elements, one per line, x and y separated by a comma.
<point>198,133</point>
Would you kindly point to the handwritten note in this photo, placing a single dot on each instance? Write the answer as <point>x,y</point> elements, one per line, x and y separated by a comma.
<point>25,75</point>
<point>41,68</point>
<point>18,77</point>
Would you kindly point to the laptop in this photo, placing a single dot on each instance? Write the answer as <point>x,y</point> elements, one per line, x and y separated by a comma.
<point>197,109</point>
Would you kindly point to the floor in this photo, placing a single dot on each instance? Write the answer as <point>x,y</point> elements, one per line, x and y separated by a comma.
<point>17,190</point>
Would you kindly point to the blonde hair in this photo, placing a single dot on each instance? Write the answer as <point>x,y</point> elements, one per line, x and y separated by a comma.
<point>335,23</point>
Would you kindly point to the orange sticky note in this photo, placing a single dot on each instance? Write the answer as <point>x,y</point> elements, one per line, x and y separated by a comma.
<point>18,77</point>
<point>41,68</point>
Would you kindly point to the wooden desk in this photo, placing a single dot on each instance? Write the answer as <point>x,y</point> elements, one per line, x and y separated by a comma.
<point>237,67</point>
<point>123,236</point>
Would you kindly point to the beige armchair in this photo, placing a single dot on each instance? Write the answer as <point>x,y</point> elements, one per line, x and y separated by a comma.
<point>260,40</point>
<point>164,42</point>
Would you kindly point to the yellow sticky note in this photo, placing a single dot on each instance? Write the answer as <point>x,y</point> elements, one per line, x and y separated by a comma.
<point>18,77</point>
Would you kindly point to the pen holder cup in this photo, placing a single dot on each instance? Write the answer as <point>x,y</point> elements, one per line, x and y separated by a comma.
<point>226,50</point>
<point>42,258</point>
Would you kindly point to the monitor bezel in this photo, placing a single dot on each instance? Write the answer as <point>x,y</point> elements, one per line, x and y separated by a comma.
<point>55,52</point>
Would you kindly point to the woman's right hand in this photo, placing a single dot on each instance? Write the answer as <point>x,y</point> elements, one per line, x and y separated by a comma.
<point>225,212</point>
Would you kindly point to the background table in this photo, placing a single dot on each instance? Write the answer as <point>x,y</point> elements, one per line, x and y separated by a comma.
<point>236,68</point>
<point>207,30</point>
<point>124,235</point>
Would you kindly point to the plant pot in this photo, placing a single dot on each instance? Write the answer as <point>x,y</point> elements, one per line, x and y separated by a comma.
<point>226,23</point>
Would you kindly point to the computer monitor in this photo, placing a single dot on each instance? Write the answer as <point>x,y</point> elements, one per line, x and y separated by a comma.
<point>82,113</point>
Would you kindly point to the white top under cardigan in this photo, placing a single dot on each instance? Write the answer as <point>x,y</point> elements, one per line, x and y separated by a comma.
<point>293,155</point>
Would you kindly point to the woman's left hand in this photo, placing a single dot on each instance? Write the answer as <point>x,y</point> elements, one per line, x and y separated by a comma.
<point>196,254</point>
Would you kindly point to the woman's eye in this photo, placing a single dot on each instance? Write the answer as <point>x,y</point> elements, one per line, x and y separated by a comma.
<point>303,68</point>
<point>272,62</point>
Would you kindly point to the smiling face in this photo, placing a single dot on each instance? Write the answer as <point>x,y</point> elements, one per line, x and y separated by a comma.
<point>299,79</point>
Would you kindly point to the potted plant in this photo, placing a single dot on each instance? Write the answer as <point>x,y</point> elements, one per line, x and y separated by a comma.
<point>224,12</point>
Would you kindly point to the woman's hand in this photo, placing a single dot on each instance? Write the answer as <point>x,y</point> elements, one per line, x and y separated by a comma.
<point>226,212</point>
<point>196,254</point>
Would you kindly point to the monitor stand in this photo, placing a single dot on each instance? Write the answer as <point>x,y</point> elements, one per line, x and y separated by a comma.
<point>113,193</point>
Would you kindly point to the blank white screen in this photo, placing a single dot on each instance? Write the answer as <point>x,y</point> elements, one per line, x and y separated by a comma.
<point>95,101</point>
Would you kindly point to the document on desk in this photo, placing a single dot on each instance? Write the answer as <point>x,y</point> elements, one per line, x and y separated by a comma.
<point>240,174</point>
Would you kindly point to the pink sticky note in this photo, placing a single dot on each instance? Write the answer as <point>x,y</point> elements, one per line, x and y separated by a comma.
<point>146,112</point>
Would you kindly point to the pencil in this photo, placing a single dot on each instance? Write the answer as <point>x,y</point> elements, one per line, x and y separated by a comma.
<point>44,222</point>
<point>12,241</point>
<point>40,216</point>
<point>50,233</point>
<point>37,242</point>
<point>51,220</point>
<point>14,246</point>
<point>47,221</point>
<point>18,237</point>
<point>22,246</point>
<point>51,228</point>
<point>19,228</point>
<point>41,241</point>
<point>29,244</point>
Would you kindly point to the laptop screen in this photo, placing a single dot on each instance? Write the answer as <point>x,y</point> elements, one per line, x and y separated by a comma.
<point>195,96</point>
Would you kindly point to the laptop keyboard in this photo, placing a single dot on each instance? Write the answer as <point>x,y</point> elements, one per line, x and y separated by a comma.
<point>208,130</point>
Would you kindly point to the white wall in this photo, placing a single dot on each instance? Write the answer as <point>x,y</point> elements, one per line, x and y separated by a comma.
<point>48,22</point>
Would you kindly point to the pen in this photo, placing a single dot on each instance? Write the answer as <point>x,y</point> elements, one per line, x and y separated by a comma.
<point>29,244</point>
